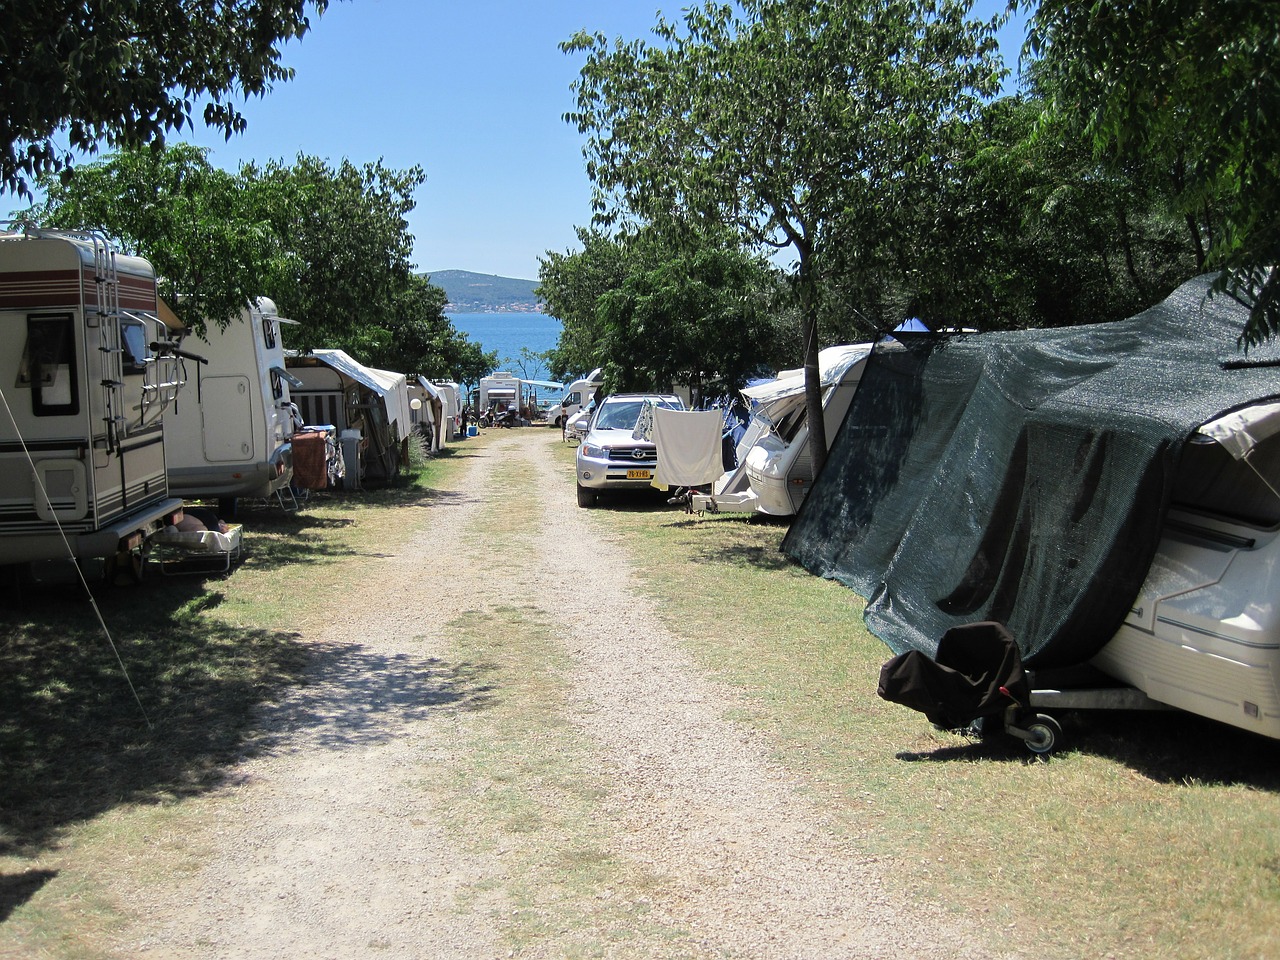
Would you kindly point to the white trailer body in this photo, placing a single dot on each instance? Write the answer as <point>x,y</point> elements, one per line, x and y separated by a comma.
<point>500,390</point>
<point>1203,634</point>
<point>775,470</point>
<point>229,435</point>
<point>87,368</point>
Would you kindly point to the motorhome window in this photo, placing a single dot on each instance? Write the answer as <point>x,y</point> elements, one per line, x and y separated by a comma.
<point>48,365</point>
<point>269,333</point>
<point>134,335</point>
<point>277,385</point>
<point>575,397</point>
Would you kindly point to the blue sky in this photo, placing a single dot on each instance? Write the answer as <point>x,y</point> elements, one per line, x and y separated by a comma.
<point>473,92</point>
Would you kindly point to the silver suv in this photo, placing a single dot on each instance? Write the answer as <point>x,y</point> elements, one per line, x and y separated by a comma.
<point>609,458</point>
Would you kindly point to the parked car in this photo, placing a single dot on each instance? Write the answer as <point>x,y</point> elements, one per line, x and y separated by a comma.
<point>609,457</point>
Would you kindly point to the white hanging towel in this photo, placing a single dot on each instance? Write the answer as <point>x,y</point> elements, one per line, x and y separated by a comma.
<point>688,444</point>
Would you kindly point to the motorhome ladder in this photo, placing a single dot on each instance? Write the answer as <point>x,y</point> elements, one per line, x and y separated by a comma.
<point>110,338</point>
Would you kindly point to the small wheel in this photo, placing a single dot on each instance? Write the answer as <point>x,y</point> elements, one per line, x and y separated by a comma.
<point>124,567</point>
<point>586,496</point>
<point>1045,732</point>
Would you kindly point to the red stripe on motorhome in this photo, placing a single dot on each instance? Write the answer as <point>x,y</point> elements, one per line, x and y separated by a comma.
<point>39,288</point>
<point>25,289</point>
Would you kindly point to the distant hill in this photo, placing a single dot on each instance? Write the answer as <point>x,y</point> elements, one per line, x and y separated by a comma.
<point>482,293</point>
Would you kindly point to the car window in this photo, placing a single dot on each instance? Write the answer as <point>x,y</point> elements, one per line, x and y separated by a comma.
<point>618,416</point>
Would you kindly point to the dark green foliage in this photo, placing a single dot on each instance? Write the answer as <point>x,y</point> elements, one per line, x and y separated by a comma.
<point>129,72</point>
<point>1192,86</point>
<point>330,245</point>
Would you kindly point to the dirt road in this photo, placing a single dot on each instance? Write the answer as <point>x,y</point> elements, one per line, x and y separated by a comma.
<point>334,842</point>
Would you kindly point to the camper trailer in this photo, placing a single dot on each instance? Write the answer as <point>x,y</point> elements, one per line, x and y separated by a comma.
<point>1203,633</point>
<point>367,408</point>
<point>87,370</point>
<point>229,434</point>
<point>774,469</point>
<point>451,398</point>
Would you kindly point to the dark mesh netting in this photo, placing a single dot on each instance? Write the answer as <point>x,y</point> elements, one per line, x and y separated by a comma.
<point>1021,477</point>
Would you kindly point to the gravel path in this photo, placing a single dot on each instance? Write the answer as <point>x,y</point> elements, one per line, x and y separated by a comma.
<point>324,848</point>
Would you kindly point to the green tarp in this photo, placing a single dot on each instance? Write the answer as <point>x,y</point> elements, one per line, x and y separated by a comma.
<point>1021,477</point>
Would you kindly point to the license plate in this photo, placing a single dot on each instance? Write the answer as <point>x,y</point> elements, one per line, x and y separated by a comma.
<point>638,475</point>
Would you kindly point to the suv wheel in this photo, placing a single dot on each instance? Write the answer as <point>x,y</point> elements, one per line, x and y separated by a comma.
<point>586,496</point>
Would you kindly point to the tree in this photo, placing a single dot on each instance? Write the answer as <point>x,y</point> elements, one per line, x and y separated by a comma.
<point>530,363</point>
<point>345,234</point>
<point>1195,84</point>
<point>127,72</point>
<point>783,122</point>
<point>571,284</point>
<point>699,316</point>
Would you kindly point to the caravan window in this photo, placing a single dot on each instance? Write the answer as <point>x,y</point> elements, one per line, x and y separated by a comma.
<point>269,333</point>
<point>134,337</point>
<point>48,365</point>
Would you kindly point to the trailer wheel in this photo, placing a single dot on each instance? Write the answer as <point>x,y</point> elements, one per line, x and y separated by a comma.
<point>586,496</point>
<point>1045,732</point>
<point>124,567</point>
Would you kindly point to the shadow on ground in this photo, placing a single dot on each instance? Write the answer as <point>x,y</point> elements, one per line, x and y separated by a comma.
<point>1164,746</point>
<point>159,709</point>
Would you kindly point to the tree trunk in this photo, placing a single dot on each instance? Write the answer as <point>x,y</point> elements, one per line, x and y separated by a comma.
<point>812,372</point>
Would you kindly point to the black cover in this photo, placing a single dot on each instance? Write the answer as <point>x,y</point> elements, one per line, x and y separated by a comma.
<point>1021,477</point>
<point>964,682</point>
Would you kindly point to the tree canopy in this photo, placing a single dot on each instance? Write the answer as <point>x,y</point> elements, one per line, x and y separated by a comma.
<point>1193,85</point>
<point>128,72</point>
<point>785,120</point>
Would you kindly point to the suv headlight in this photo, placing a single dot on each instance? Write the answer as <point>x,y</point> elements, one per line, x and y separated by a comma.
<point>594,452</point>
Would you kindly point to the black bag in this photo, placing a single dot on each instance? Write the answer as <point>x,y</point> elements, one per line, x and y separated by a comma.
<point>962,682</point>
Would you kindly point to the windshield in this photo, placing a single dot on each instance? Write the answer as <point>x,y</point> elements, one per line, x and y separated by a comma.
<point>623,414</point>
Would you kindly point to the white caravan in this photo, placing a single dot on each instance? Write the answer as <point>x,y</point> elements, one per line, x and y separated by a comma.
<point>229,435</point>
<point>451,397</point>
<point>436,415</point>
<point>87,368</point>
<point>1203,635</point>
<point>774,469</point>
<point>498,392</point>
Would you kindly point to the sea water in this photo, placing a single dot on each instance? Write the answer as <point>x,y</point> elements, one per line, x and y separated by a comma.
<point>506,334</point>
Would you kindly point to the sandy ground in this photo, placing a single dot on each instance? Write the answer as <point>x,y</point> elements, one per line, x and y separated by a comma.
<point>322,846</point>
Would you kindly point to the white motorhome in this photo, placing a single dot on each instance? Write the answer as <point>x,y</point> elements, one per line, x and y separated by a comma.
<point>774,469</point>
<point>498,392</point>
<point>229,435</point>
<point>576,396</point>
<point>87,369</point>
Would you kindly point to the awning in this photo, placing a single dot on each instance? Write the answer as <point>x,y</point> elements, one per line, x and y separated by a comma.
<point>833,363</point>
<point>1241,430</point>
